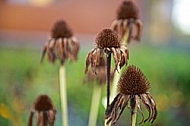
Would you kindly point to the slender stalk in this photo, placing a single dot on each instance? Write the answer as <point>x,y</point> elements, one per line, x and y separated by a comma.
<point>108,60</point>
<point>63,95</point>
<point>94,105</point>
<point>133,111</point>
<point>115,81</point>
<point>130,31</point>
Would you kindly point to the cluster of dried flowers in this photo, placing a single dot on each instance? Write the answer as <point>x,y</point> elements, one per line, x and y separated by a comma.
<point>62,46</point>
<point>133,87</point>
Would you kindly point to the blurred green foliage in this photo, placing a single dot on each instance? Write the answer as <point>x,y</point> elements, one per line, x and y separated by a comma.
<point>23,78</point>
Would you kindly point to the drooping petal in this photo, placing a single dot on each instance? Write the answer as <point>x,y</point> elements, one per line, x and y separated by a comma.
<point>139,107</point>
<point>44,51</point>
<point>154,110</point>
<point>147,105</point>
<point>114,25</point>
<point>123,105</point>
<point>88,60</point>
<point>51,117</point>
<point>139,25</point>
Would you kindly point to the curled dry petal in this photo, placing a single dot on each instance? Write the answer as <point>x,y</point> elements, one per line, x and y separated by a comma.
<point>147,105</point>
<point>93,59</point>
<point>139,25</point>
<point>139,107</point>
<point>115,109</point>
<point>154,110</point>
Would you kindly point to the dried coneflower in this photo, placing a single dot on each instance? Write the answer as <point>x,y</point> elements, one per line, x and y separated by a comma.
<point>107,42</point>
<point>62,44</point>
<point>44,110</point>
<point>133,88</point>
<point>127,16</point>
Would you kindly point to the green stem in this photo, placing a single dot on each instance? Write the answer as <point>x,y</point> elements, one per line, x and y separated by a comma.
<point>133,111</point>
<point>94,105</point>
<point>115,81</point>
<point>130,31</point>
<point>63,95</point>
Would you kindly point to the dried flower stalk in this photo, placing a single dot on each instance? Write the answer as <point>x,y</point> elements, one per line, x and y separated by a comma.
<point>107,41</point>
<point>133,88</point>
<point>127,18</point>
<point>62,45</point>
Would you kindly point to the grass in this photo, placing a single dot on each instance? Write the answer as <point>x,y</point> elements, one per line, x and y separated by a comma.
<point>23,78</point>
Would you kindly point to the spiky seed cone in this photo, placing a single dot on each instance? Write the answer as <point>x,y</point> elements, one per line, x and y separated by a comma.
<point>43,103</point>
<point>108,38</point>
<point>127,10</point>
<point>133,82</point>
<point>61,30</point>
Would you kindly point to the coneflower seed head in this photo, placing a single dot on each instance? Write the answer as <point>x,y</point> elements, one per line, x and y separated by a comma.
<point>133,82</point>
<point>61,30</point>
<point>107,38</point>
<point>127,10</point>
<point>43,103</point>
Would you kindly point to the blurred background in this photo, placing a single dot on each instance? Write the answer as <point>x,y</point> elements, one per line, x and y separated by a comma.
<point>163,55</point>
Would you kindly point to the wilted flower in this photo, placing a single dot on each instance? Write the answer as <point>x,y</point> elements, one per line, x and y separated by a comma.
<point>101,72</point>
<point>133,88</point>
<point>44,110</point>
<point>62,44</point>
<point>100,77</point>
<point>127,16</point>
<point>109,42</point>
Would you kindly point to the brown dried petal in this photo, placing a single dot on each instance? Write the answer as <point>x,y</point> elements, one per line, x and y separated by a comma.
<point>115,109</point>
<point>154,110</point>
<point>139,25</point>
<point>147,105</point>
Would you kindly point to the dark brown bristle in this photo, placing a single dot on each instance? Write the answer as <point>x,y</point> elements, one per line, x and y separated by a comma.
<point>133,82</point>
<point>43,103</point>
<point>61,30</point>
<point>108,38</point>
<point>127,10</point>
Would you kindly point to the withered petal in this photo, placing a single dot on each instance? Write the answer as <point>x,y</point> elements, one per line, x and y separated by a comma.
<point>139,107</point>
<point>139,25</point>
<point>147,105</point>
